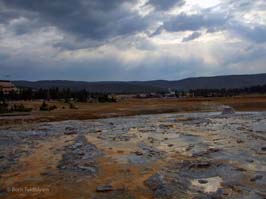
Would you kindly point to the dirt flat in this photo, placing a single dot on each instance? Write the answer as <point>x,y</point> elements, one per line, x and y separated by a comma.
<point>162,156</point>
<point>129,107</point>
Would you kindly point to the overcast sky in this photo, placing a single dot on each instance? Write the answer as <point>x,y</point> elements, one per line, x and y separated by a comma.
<point>96,40</point>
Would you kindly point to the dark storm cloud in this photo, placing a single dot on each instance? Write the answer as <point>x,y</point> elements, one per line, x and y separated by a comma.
<point>215,21</point>
<point>194,22</point>
<point>193,36</point>
<point>247,54</point>
<point>98,39</point>
<point>93,19</point>
<point>255,34</point>
<point>165,4</point>
<point>7,14</point>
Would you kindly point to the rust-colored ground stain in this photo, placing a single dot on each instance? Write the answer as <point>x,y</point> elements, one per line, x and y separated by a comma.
<point>124,178</point>
<point>30,171</point>
<point>179,142</point>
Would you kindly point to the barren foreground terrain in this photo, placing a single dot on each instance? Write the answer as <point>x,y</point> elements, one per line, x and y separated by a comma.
<point>186,155</point>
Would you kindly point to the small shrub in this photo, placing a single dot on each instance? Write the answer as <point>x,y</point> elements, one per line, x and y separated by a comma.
<point>4,107</point>
<point>44,106</point>
<point>53,107</point>
<point>20,108</point>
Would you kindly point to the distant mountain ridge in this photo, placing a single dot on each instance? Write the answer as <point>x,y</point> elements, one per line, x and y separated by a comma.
<point>215,82</point>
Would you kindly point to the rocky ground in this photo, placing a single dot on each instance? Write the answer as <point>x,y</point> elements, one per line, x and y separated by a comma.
<point>194,155</point>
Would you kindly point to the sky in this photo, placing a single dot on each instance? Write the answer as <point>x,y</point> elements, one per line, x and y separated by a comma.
<point>125,40</point>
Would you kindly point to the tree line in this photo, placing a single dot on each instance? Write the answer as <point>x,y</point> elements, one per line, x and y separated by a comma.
<point>56,94</point>
<point>227,92</point>
<point>86,96</point>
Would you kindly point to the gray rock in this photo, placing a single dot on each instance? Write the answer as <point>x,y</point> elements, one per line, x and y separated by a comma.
<point>163,191</point>
<point>160,188</point>
<point>154,181</point>
<point>76,145</point>
<point>201,181</point>
<point>80,157</point>
<point>71,133</point>
<point>104,188</point>
<point>263,148</point>
<point>69,128</point>
<point>200,165</point>
<point>228,111</point>
<point>88,169</point>
<point>138,153</point>
<point>257,177</point>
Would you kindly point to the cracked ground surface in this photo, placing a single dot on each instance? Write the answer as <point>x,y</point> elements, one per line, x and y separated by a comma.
<point>194,155</point>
